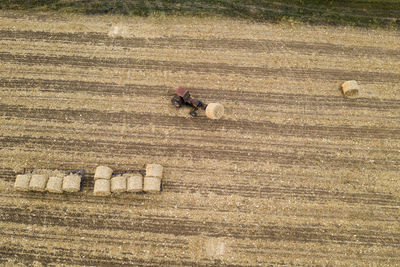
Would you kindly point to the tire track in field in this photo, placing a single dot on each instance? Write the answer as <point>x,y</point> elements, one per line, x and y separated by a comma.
<point>307,48</point>
<point>86,257</point>
<point>261,192</point>
<point>88,238</point>
<point>250,98</point>
<point>7,174</point>
<point>199,124</point>
<point>123,148</point>
<point>376,200</point>
<point>199,67</point>
<point>227,141</point>
<point>139,199</point>
<point>359,119</point>
<point>287,252</point>
<point>187,227</point>
<point>264,191</point>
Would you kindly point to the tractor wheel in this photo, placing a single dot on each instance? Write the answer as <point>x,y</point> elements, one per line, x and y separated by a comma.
<point>177,101</point>
<point>193,113</point>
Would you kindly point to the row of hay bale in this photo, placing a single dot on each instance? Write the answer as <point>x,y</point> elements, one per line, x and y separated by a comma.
<point>44,182</point>
<point>105,183</point>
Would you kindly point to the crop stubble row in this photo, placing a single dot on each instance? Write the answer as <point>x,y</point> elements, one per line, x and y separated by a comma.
<point>192,43</point>
<point>253,98</point>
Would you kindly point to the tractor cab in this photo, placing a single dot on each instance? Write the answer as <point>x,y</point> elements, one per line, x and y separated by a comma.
<point>183,92</point>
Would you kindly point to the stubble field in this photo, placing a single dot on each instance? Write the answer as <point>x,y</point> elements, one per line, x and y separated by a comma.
<point>294,174</point>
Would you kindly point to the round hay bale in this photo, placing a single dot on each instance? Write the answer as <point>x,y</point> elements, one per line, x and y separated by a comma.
<point>72,183</point>
<point>154,170</point>
<point>38,182</point>
<point>118,184</point>
<point>215,111</point>
<point>103,172</point>
<point>152,184</point>
<point>55,184</point>
<point>102,187</point>
<point>350,88</point>
<point>134,182</point>
<point>22,182</point>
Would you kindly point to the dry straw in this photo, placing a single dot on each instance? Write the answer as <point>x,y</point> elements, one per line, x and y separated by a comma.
<point>118,184</point>
<point>102,187</point>
<point>72,183</point>
<point>350,88</point>
<point>119,31</point>
<point>22,182</point>
<point>134,182</point>
<point>215,111</point>
<point>103,172</point>
<point>154,170</point>
<point>152,184</point>
<point>54,184</point>
<point>214,248</point>
<point>38,182</point>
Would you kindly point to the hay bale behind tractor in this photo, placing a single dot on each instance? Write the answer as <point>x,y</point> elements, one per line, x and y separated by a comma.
<point>55,184</point>
<point>154,170</point>
<point>72,183</point>
<point>215,111</point>
<point>152,184</point>
<point>134,182</point>
<point>103,172</point>
<point>152,181</point>
<point>22,182</point>
<point>118,184</point>
<point>102,187</point>
<point>38,182</point>
<point>350,88</point>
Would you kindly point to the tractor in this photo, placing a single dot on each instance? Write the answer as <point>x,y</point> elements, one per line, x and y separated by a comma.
<point>182,97</point>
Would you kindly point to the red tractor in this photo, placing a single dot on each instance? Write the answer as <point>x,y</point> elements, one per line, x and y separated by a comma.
<point>182,96</point>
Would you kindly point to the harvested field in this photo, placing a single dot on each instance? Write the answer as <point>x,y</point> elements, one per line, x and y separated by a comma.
<point>293,174</point>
